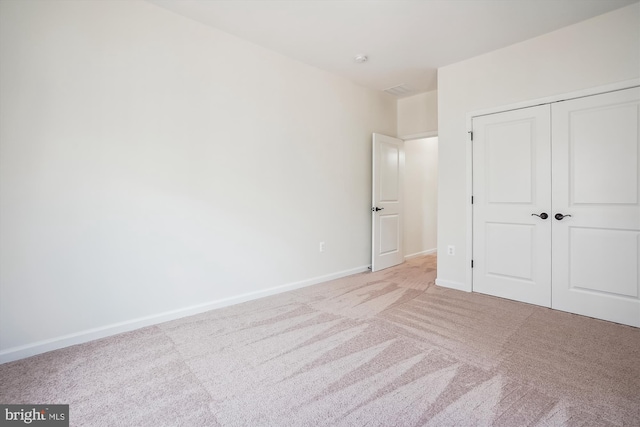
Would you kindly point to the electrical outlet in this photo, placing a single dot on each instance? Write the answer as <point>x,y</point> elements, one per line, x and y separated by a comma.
<point>451,250</point>
<point>321,246</point>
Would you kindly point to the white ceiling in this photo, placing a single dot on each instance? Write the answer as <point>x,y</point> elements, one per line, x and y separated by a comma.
<point>406,41</point>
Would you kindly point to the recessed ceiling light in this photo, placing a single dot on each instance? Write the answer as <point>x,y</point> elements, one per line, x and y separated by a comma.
<point>361,58</point>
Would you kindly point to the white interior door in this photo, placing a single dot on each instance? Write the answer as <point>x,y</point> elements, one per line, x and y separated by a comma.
<point>387,209</point>
<point>596,251</point>
<point>511,185</point>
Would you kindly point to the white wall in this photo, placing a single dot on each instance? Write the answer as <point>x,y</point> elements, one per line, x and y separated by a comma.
<point>153,167</point>
<point>418,114</point>
<point>596,52</point>
<point>421,196</point>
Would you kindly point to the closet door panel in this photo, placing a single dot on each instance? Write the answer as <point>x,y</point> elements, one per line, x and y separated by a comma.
<point>596,250</point>
<point>511,179</point>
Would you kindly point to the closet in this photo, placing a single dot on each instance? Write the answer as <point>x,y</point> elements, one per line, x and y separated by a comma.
<point>556,209</point>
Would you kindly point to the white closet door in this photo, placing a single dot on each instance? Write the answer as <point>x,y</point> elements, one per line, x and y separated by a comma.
<point>596,250</point>
<point>511,184</point>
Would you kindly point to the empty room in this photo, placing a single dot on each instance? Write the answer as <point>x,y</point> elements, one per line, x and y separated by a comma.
<point>320,213</point>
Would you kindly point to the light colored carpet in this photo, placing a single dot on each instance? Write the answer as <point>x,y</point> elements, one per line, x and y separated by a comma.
<point>374,349</point>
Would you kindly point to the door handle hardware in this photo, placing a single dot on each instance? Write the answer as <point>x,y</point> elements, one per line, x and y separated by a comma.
<point>376,209</point>
<point>543,215</point>
<point>559,216</point>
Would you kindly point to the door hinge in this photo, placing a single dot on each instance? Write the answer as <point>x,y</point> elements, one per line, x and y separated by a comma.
<point>471,134</point>
<point>471,199</point>
<point>471,263</point>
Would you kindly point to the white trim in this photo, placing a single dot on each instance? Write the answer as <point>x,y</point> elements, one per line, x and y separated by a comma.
<point>417,254</point>
<point>24,351</point>
<point>452,285</point>
<point>429,134</point>
<point>555,98</point>
<point>468,286</point>
<point>469,151</point>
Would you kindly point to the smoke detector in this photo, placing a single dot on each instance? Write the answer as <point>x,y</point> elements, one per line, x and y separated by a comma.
<point>361,58</point>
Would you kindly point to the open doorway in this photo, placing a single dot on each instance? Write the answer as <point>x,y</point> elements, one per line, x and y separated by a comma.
<point>421,196</point>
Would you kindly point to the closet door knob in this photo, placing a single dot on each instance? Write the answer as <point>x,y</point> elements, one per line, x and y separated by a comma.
<point>543,215</point>
<point>560,216</point>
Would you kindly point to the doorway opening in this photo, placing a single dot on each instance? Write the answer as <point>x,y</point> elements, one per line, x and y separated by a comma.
<point>421,196</point>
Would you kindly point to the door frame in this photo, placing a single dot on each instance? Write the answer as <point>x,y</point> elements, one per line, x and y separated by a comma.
<point>468,285</point>
<point>421,135</point>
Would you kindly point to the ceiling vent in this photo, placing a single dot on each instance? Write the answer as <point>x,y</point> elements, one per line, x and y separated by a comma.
<point>400,90</point>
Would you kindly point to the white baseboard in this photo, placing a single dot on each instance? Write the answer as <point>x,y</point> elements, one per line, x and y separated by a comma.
<point>453,285</point>
<point>427,252</point>
<point>28,350</point>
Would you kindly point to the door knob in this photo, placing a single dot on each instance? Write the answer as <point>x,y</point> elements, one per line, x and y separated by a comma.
<point>543,215</point>
<point>376,209</point>
<point>559,216</point>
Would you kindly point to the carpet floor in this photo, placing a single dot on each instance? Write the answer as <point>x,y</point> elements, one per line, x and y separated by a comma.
<point>374,349</point>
